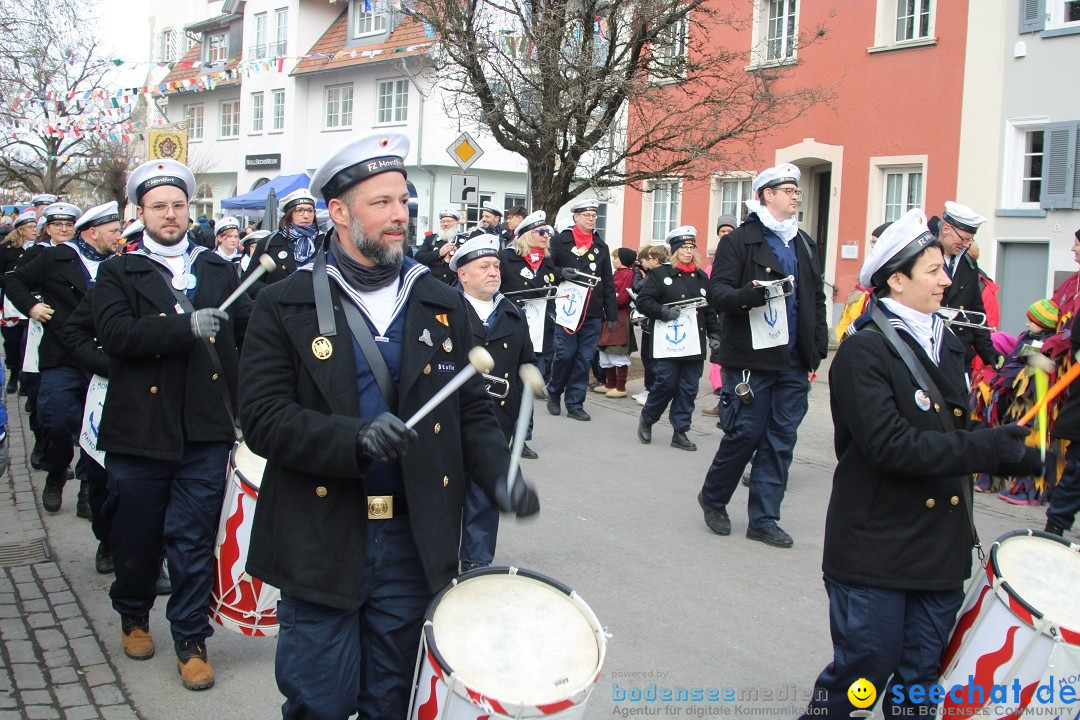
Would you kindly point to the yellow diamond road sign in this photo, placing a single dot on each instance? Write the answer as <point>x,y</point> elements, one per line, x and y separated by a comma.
<point>465,151</point>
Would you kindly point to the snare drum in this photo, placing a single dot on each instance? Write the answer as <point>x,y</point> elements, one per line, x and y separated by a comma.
<point>1019,625</point>
<point>238,601</point>
<point>507,643</point>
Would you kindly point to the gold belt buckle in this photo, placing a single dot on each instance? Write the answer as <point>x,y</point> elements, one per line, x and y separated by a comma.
<point>380,507</point>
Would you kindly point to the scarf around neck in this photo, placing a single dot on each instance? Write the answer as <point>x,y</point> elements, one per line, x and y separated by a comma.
<point>786,230</point>
<point>156,248</point>
<point>534,257</point>
<point>364,278</point>
<point>88,251</point>
<point>926,329</point>
<point>302,238</point>
<point>582,238</point>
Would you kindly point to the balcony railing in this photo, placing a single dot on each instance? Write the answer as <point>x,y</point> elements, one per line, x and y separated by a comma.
<point>268,50</point>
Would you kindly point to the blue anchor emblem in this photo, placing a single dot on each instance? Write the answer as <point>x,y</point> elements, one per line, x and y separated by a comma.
<point>568,309</point>
<point>771,315</point>
<point>93,427</point>
<point>674,336</point>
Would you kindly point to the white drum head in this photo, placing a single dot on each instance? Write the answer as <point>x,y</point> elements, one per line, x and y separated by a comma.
<point>516,639</point>
<point>1045,574</point>
<point>249,465</point>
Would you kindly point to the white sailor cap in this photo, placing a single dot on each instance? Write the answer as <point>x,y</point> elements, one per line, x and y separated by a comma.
<point>26,216</point>
<point>584,205</point>
<point>685,235</point>
<point>451,213</point>
<point>473,249</point>
<point>357,160</point>
<point>156,173</point>
<point>531,222</point>
<point>962,217</point>
<point>135,227</point>
<point>255,236</point>
<point>900,242</point>
<point>98,215</point>
<point>61,212</point>
<point>226,223</point>
<point>43,199</point>
<point>302,196</point>
<point>40,224</point>
<point>778,175</point>
<point>491,208</point>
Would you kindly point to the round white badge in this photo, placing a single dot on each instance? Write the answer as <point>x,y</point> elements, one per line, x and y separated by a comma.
<point>667,281</point>
<point>527,273</point>
<point>282,255</point>
<point>922,400</point>
<point>592,266</point>
<point>702,292</point>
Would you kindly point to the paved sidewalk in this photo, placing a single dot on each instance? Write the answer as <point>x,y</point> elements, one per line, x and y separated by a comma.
<point>51,663</point>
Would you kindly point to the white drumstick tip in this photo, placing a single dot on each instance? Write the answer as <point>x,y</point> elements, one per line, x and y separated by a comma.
<point>481,359</point>
<point>530,375</point>
<point>267,263</point>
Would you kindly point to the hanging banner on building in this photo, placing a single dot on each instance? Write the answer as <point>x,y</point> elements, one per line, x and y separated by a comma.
<point>168,145</point>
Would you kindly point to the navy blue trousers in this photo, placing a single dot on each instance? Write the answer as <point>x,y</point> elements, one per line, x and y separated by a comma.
<point>647,359</point>
<point>14,344</point>
<point>675,381</point>
<point>175,505</point>
<point>889,637</point>
<point>570,364</point>
<point>332,663</point>
<point>101,509</point>
<point>60,401</point>
<point>479,526</point>
<point>769,424</point>
<point>1065,501</point>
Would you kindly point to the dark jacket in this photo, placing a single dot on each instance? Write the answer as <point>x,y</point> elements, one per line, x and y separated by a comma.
<point>157,367</point>
<point>429,253</point>
<point>80,338</point>
<point>745,257</point>
<point>1067,424</point>
<point>656,291</point>
<point>58,275</point>
<point>965,293</point>
<point>9,258</point>
<point>510,347</point>
<point>299,412</point>
<point>278,247</point>
<point>594,261</point>
<point>896,517</point>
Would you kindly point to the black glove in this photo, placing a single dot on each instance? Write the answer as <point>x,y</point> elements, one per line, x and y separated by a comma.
<point>1030,464</point>
<point>1009,440</point>
<point>667,314</point>
<point>384,438</point>
<point>611,325</point>
<point>206,322</point>
<point>751,296</point>
<point>568,273</point>
<point>523,500</point>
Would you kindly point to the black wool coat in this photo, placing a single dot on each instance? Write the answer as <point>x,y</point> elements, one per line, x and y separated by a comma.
<point>965,293</point>
<point>517,275</point>
<point>510,347</point>
<point>596,260</point>
<point>667,284</point>
<point>80,338</point>
<point>278,248</point>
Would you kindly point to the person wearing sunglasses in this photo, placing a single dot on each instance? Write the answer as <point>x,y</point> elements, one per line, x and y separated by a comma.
<point>527,271</point>
<point>956,230</point>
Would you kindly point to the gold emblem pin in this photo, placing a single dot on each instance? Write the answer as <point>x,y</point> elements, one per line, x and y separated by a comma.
<point>321,348</point>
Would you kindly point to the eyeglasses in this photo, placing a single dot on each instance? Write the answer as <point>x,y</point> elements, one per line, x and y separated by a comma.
<point>963,238</point>
<point>588,215</point>
<point>161,208</point>
<point>790,192</point>
<point>543,232</point>
<point>62,225</point>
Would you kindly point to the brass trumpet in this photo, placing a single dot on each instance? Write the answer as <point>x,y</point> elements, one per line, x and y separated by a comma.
<point>582,278</point>
<point>964,318</point>
<point>496,387</point>
<point>547,292</point>
<point>636,318</point>
<point>777,288</point>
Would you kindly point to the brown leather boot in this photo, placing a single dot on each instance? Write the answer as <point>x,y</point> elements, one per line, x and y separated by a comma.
<point>191,663</point>
<point>135,636</point>
<point>619,391</point>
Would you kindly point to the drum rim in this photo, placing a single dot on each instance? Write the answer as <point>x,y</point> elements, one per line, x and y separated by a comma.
<point>237,475</point>
<point>994,573</point>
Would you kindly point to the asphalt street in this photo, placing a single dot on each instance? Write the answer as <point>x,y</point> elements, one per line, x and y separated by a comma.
<point>620,524</point>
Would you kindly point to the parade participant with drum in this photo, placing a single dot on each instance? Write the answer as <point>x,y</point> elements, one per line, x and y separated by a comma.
<point>293,244</point>
<point>173,355</point>
<point>359,516</point>
<point>899,529</point>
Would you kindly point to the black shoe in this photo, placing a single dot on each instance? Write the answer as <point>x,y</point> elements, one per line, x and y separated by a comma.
<point>82,504</point>
<point>12,384</point>
<point>746,478</point>
<point>467,566</point>
<point>53,493</point>
<point>103,559</point>
<point>163,586</point>
<point>679,440</point>
<point>771,535</point>
<point>35,456</point>
<point>644,431</point>
<point>717,520</point>
<point>554,405</point>
<point>1054,529</point>
<point>578,415</point>
<point>70,473</point>
<point>528,453</point>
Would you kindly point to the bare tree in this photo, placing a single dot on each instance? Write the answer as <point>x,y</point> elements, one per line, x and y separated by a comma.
<point>47,64</point>
<point>606,93</point>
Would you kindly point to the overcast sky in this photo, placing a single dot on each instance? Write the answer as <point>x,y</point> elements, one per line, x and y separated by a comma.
<point>125,34</point>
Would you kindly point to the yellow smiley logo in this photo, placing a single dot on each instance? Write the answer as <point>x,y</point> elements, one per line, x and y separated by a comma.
<point>862,693</point>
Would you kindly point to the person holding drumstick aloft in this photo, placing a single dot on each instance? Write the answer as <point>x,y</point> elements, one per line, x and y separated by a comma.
<point>899,529</point>
<point>359,515</point>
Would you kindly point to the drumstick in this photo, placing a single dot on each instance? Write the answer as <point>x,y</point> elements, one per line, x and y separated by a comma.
<point>534,383</point>
<point>479,361</point>
<point>1042,367</point>
<point>266,264</point>
<point>1056,389</point>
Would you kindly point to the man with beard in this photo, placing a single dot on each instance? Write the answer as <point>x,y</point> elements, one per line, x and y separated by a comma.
<point>491,224</point>
<point>356,525</point>
<point>440,247</point>
<point>173,355</point>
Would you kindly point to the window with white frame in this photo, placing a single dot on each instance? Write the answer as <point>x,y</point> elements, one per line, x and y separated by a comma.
<point>1023,166</point>
<point>900,23</point>
<point>779,29</point>
<point>669,51</point>
<point>903,191</point>
<point>369,18</point>
<point>393,101</point>
<point>258,52</point>
<point>172,44</point>
<point>230,119</point>
<point>912,19</point>
<point>734,192</point>
<point>193,117</point>
<point>472,212</point>
<point>257,100</point>
<point>277,109</point>
<point>339,106</point>
<point>510,200</point>
<point>665,209</point>
<point>1062,14</point>
<point>280,46</point>
<point>217,47</point>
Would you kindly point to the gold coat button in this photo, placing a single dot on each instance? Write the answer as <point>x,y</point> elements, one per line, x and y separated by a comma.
<point>427,369</point>
<point>320,491</point>
<point>957,412</point>
<point>937,408</point>
<point>502,403</point>
<point>438,428</point>
<point>768,270</point>
<point>506,376</point>
<point>683,296</point>
<point>214,376</point>
<point>506,346</point>
<point>212,339</point>
<point>954,500</point>
<point>162,315</point>
<point>930,503</point>
<point>153,389</point>
<point>445,481</point>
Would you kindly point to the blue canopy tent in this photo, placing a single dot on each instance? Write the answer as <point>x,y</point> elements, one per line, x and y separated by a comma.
<point>282,185</point>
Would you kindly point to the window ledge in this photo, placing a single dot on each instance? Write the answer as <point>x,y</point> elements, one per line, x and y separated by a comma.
<point>1058,32</point>
<point>337,129</point>
<point>1020,212</point>
<point>905,45</point>
<point>228,138</point>
<point>768,64</point>
<point>276,132</point>
<point>401,123</point>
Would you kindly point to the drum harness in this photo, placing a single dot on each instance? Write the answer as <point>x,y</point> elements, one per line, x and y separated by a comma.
<point>923,380</point>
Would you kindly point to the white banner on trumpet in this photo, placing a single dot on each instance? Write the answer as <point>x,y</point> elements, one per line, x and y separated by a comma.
<point>570,304</point>
<point>678,338</point>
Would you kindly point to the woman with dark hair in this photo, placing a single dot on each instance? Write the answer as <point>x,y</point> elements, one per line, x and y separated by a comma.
<point>293,244</point>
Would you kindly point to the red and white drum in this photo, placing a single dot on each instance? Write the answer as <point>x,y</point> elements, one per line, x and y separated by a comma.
<point>238,601</point>
<point>507,643</point>
<point>1019,627</point>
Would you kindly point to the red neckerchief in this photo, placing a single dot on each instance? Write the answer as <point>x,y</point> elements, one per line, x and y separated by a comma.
<point>685,268</point>
<point>582,238</point>
<point>537,253</point>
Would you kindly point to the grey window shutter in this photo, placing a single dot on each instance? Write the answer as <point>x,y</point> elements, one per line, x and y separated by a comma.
<point>1059,165</point>
<point>1032,15</point>
<point>1076,169</point>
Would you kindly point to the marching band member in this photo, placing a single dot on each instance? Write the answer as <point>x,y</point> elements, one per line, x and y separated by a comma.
<point>957,229</point>
<point>676,378</point>
<point>172,354</point>
<point>131,237</point>
<point>14,328</point>
<point>899,529</point>
<point>438,249</point>
<point>359,535</point>
<point>491,216</point>
<point>227,233</point>
<point>293,244</point>
<point>42,201</point>
<point>525,267</point>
